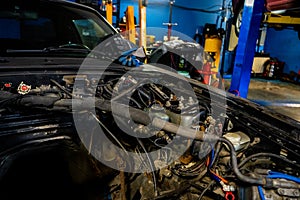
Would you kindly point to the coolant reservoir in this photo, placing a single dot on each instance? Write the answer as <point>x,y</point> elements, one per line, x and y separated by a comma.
<point>239,139</point>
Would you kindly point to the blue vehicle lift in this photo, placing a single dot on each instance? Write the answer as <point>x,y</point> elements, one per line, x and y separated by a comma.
<point>249,32</point>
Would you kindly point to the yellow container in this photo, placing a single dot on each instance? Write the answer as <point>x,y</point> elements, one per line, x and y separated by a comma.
<point>213,45</point>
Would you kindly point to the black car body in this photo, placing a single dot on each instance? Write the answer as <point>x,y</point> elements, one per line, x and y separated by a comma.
<point>71,114</point>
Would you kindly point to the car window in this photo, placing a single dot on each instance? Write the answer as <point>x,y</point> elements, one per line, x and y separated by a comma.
<point>39,25</point>
<point>89,31</point>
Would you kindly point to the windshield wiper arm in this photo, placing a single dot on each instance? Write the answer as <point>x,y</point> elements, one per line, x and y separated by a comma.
<point>65,48</point>
<point>25,50</point>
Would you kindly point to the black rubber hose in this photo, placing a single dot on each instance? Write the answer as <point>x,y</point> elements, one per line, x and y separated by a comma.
<point>265,182</point>
<point>27,100</point>
<point>37,101</point>
<point>247,179</point>
<point>270,155</point>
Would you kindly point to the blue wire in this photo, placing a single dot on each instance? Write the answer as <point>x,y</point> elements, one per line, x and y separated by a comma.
<point>215,177</point>
<point>284,176</point>
<point>210,164</point>
<point>277,175</point>
<point>212,156</point>
<point>261,194</point>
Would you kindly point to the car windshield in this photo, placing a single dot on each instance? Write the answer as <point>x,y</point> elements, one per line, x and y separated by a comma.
<point>38,25</point>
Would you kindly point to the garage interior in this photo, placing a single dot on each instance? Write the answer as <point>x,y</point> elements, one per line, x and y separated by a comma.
<point>268,55</point>
<point>76,124</point>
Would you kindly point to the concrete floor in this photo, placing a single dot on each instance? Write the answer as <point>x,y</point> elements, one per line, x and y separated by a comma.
<point>283,97</point>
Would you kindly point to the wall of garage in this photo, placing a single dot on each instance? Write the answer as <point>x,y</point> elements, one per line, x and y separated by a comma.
<point>284,45</point>
<point>188,20</point>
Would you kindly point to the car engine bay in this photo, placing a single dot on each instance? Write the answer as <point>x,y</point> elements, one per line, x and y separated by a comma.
<point>159,140</point>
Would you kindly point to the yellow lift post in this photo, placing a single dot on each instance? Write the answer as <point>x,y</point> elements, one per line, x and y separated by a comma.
<point>130,26</point>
